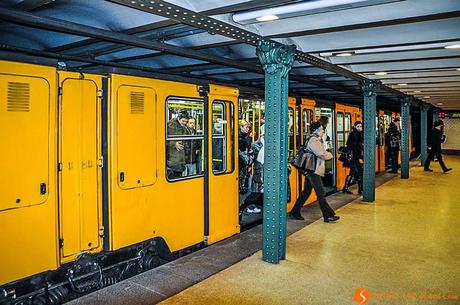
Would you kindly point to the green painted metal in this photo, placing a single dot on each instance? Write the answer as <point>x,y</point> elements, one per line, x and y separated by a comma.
<point>423,132</point>
<point>369,88</point>
<point>276,61</point>
<point>405,121</point>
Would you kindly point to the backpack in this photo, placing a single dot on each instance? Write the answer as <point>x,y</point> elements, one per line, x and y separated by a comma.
<point>394,140</point>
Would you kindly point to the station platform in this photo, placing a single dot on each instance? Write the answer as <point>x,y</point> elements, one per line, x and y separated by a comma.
<point>402,249</point>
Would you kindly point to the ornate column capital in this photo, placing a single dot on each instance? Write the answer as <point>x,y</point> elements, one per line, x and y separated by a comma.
<point>275,57</point>
<point>425,107</point>
<point>406,100</point>
<point>369,87</point>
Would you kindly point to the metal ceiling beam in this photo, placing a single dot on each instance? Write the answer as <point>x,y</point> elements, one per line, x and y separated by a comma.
<point>152,72</point>
<point>397,60</point>
<point>367,25</point>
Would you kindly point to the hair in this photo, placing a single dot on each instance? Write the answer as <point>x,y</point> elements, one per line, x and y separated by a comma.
<point>243,123</point>
<point>183,115</point>
<point>314,126</point>
<point>438,123</point>
<point>324,120</point>
<point>357,123</point>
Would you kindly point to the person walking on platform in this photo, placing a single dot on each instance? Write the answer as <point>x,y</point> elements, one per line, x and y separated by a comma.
<point>355,144</point>
<point>395,137</point>
<point>313,178</point>
<point>434,145</point>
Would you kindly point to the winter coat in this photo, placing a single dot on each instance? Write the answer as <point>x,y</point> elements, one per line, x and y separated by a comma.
<point>435,140</point>
<point>175,158</point>
<point>192,147</point>
<point>316,146</point>
<point>258,169</point>
<point>356,145</point>
<point>394,137</point>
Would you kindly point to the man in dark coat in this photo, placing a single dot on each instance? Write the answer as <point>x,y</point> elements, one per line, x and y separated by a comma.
<point>394,136</point>
<point>434,145</point>
<point>355,143</point>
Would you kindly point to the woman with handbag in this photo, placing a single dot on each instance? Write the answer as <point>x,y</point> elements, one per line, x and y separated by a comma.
<point>313,177</point>
<point>355,144</point>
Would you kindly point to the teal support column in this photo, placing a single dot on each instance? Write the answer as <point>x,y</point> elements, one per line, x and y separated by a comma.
<point>369,89</point>
<point>276,61</point>
<point>435,116</point>
<point>423,132</point>
<point>405,108</point>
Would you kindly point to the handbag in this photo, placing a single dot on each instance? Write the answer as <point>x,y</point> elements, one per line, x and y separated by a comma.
<point>305,159</point>
<point>346,156</point>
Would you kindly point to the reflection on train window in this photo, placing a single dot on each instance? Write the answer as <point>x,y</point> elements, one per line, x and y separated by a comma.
<point>297,127</point>
<point>328,112</point>
<point>340,130</point>
<point>290,133</point>
<point>347,124</point>
<point>219,132</point>
<point>184,138</point>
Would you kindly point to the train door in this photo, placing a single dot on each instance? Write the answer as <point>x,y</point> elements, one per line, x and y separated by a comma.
<point>306,117</point>
<point>329,179</point>
<point>223,173</point>
<point>381,141</point>
<point>79,164</point>
<point>293,132</point>
<point>343,129</point>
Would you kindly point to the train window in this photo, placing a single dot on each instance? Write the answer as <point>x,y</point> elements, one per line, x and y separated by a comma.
<point>307,118</point>
<point>340,130</point>
<point>297,127</point>
<point>290,133</point>
<point>347,124</point>
<point>184,138</point>
<point>219,132</point>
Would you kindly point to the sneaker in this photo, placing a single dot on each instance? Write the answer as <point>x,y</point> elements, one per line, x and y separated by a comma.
<point>332,218</point>
<point>296,217</point>
<point>254,210</point>
<point>428,170</point>
<point>447,170</point>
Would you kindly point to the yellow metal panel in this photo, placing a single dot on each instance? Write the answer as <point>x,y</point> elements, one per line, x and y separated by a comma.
<point>136,145</point>
<point>25,127</point>
<point>28,236</point>
<point>223,188</point>
<point>173,211</point>
<point>80,201</point>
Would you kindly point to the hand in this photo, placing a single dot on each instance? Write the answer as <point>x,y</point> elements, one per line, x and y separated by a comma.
<point>179,145</point>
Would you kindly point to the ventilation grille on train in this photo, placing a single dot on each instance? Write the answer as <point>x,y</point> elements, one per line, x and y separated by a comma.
<point>18,97</point>
<point>137,102</point>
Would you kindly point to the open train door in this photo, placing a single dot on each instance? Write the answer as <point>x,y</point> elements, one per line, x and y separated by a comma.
<point>222,197</point>
<point>80,219</point>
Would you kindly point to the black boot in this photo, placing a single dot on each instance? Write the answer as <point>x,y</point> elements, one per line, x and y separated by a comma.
<point>360,186</point>
<point>347,185</point>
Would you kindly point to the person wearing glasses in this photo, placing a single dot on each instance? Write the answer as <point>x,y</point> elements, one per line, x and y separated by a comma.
<point>355,144</point>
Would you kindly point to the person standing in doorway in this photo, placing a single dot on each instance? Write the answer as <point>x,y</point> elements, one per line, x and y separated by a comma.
<point>434,145</point>
<point>313,178</point>
<point>394,137</point>
<point>355,144</point>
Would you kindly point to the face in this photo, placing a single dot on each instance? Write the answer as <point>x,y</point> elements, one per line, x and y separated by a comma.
<point>183,121</point>
<point>320,131</point>
<point>191,123</point>
<point>359,127</point>
<point>244,128</point>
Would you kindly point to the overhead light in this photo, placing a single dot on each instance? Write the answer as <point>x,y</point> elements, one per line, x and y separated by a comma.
<point>453,46</point>
<point>458,69</point>
<point>344,54</point>
<point>416,91</point>
<point>300,9</point>
<point>380,73</point>
<point>402,84</point>
<point>267,18</point>
<point>426,96</point>
<point>439,104</point>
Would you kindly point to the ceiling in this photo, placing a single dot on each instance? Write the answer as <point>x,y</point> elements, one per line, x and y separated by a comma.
<point>401,43</point>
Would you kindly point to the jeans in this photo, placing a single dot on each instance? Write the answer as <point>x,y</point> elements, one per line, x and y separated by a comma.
<point>394,155</point>
<point>313,181</point>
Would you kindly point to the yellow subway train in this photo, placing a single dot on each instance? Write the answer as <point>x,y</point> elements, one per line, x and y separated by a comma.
<point>97,184</point>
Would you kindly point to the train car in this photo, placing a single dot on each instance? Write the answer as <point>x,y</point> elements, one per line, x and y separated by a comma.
<point>97,183</point>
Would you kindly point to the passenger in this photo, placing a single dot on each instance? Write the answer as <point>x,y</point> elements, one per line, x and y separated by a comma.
<point>394,136</point>
<point>245,157</point>
<point>313,178</point>
<point>324,120</point>
<point>192,150</point>
<point>256,198</point>
<point>434,145</point>
<point>356,146</point>
<point>175,150</point>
